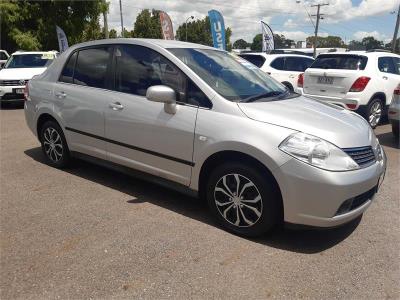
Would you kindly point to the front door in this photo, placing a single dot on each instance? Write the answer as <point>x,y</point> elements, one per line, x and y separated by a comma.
<point>139,133</point>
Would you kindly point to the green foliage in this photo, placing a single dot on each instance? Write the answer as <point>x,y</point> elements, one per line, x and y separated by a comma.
<point>31,25</point>
<point>366,43</point>
<point>147,25</point>
<point>282,43</point>
<point>112,34</point>
<point>240,44</point>
<point>327,42</point>
<point>199,31</point>
<point>257,43</point>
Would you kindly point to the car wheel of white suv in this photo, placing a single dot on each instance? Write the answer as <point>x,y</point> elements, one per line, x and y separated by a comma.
<point>374,112</point>
<point>54,145</point>
<point>243,200</point>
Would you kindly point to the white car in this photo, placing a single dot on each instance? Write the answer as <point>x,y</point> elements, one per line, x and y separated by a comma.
<point>3,57</point>
<point>359,81</point>
<point>20,68</point>
<point>394,112</point>
<point>283,67</point>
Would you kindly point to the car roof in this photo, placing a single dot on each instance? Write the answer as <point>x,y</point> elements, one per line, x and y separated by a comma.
<point>266,55</point>
<point>156,42</point>
<point>364,53</point>
<point>34,52</point>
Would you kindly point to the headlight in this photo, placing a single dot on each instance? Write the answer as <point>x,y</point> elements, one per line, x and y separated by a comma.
<point>317,152</point>
<point>378,151</point>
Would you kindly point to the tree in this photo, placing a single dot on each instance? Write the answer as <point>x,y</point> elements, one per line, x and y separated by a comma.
<point>281,42</point>
<point>240,44</point>
<point>199,31</point>
<point>371,43</point>
<point>257,43</point>
<point>104,6</point>
<point>327,42</point>
<point>388,46</point>
<point>356,45</point>
<point>31,25</point>
<point>112,34</point>
<point>147,25</point>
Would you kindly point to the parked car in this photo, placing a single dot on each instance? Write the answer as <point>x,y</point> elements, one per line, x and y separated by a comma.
<point>359,81</point>
<point>211,123</point>
<point>283,67</point>
<point>3,57</point>
<point>394,112</point>
<point>20,68</point>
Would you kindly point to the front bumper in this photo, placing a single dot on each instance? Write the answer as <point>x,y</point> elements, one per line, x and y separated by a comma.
<point>315,197</point>
<point>8,94</point>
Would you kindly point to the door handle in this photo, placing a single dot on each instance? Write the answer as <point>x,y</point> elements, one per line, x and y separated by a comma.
<point>116,106</point>
<point>61,95</point>
<point>291,76</point>
<point>385,77</point>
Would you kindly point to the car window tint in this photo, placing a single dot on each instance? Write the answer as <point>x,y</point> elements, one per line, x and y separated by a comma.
<point>3,56</point>
<point>257,60</point>
<point>137,68</point>
<point>386,65</point>
<point>91,67</point>
<point>195,96</point>
<point>278,63</point>
<point>68,71</point>
<point>396,62</point>
<point>340,62</point>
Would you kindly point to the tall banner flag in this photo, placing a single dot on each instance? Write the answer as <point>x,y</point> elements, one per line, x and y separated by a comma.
<point>217,29</point>
<point>62,39</point>
<point>166,26</point>
<point>267,38</point>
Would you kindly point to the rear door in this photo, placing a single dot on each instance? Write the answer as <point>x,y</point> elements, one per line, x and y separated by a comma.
<point>333,74</point>
<point>80,96</point>
<point>389,71</point>
<point>294,65</point>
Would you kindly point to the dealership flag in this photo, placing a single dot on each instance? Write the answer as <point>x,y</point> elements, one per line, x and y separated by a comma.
<point>268,38</point>
<point>217,29</point>
<point>166,26</point>
<point>62,39</point>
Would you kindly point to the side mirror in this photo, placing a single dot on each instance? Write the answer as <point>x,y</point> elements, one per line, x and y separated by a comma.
<point>164,94</point>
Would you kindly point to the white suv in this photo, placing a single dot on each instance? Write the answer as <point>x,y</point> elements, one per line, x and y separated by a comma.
<point>20,68</point>
<point>283,67</point>
<point>360,81</point>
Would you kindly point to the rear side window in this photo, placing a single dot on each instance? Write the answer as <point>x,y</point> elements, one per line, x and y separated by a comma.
<point>68,71</point>
<point>278,63</point>
<point>91,67</point>
<point>3,56</point>
<point>298,64</point>
<point>396,62</point>
<point>256,60</point>
<point>342,62</point>
<point>387,65</point>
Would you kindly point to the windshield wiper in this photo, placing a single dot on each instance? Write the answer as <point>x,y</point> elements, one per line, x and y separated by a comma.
<point>264,95</point>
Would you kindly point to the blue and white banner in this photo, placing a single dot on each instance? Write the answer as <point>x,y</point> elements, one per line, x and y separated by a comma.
<point>217,29</point>
<point>267,38</point>
<point>62,39</point>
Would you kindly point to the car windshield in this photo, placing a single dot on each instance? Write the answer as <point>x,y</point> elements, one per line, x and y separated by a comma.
<point>229,75</point>
<point>29,61</point>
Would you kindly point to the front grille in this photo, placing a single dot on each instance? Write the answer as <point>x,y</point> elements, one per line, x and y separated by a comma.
<point>363,156</point>
<point>12,82</point>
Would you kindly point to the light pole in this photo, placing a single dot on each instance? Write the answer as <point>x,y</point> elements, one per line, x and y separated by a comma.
<point>191,17</point>
<point>396,29</point>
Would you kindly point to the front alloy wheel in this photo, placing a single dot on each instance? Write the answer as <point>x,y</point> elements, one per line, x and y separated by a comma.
<point>243,198</point>
<point>238,200</point>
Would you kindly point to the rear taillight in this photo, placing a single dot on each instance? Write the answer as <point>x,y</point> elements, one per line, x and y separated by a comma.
<point>26,92</point>
<point>300,80</point>
<point>360,84</point>
<point>351,106</point>
<point>397,90</point>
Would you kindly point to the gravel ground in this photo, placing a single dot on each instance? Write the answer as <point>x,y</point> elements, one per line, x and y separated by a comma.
<point>89,232</point>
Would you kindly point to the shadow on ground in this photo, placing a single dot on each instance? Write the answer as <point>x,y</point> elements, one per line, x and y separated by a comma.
<point>302,241</point>
<point>387,139</point>
<point>11,106</point>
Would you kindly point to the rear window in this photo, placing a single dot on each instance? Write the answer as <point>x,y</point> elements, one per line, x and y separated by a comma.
<point>342,62</point>
<point>256,60</point>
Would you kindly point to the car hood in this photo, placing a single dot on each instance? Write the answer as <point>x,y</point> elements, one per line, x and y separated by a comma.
<point>20,73</point>
<point>341,127</point>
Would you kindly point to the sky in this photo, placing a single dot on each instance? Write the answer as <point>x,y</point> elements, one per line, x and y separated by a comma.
<point>349,19</point>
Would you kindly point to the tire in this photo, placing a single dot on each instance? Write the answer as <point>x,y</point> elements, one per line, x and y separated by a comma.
<point>289,86</point>
<point>374,113</point>
<point>54,145</point>
<point>262,215</point>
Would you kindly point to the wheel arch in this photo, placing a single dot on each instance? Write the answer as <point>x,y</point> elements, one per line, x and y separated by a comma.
<point>43,118</point>
<point>378,95</point>
<point>288,85</point>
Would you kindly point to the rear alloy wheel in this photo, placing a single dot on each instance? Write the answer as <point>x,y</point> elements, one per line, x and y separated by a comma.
<point>54,145</point>
<point>243,200</point>
<point>375,111</point>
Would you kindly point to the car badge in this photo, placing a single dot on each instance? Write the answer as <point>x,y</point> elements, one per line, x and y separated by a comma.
<point>22,82</point>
